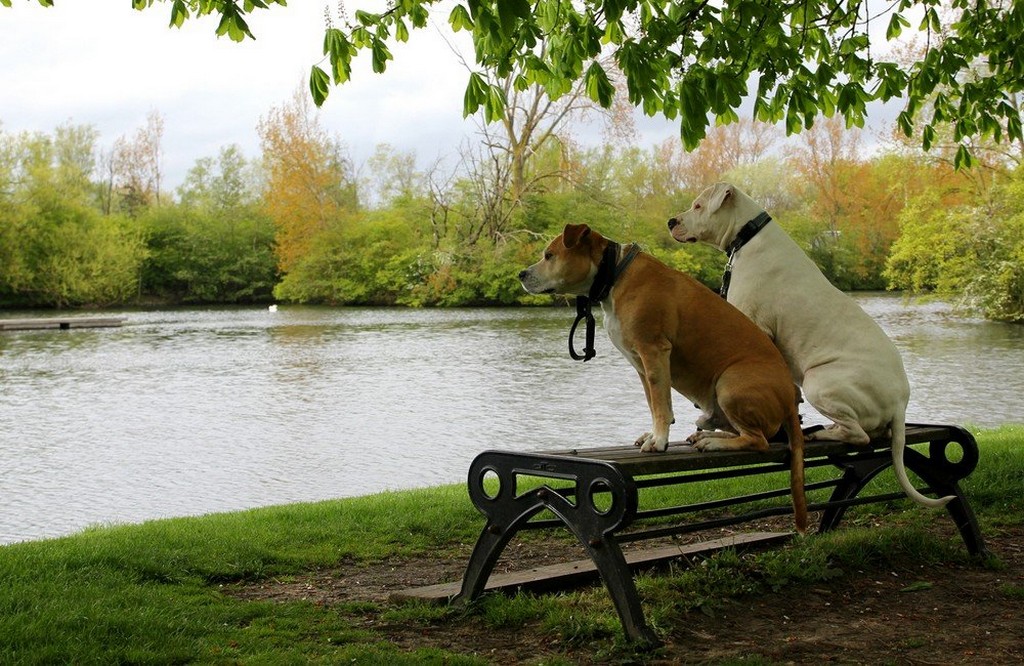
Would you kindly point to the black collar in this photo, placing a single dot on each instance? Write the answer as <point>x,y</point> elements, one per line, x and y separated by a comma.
<point>748,231</point>
<point>608,271</point>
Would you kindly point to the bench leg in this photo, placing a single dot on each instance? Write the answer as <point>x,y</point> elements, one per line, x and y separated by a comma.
<point>603,550</point>
<point>508,510</point>
<point>488,549</point>
<point>858,473</point>
<point>618,579</point>
<point>959,508</point>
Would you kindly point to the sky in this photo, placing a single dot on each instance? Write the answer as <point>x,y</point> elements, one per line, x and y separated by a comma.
<point>104,64</point>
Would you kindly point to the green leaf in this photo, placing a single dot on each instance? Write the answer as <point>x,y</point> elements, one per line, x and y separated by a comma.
<point>476,92</point>
<point>598,87</point>
<point>366,18</point>
<point>1013,129</point>
<point>520,8</point>
<point>727,117</point>
<point>179,12</point>
<point>239,29</point>
<point>460,19</point>
<point>506,17</point>
<point>896,25</point>
<point>333,38</point>
<point>340,52</point>
<point>494,106</point>
<point>380,56</point>
<point>232,24</point>
<point>401,31</point>
<point>906,123</point>
<point>319,85</point>
<point>613,32</point>
<point>361,37</point>
<point>963,158</point>
<point>927,137</point>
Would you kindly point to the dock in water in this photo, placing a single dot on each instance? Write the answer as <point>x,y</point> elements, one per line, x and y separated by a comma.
<point>61,323</point>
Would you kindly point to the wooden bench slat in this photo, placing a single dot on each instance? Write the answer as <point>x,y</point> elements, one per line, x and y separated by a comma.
<point>681,457</point>
<point>565,574</point>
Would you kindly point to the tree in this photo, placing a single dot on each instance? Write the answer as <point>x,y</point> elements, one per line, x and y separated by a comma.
<point>310,181</point>
<point>725,148</point>
<point>55,247</point>
<point>393,177</point>
<point>972,253</point>
<point>692,59</point>
<point>135,167</point>
<point>827,162</point>
<point>216,245</point>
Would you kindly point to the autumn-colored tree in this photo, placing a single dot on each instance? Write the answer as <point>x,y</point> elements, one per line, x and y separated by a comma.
<point>828,159</point>
<point>725,148</point>
<point>310,181</point>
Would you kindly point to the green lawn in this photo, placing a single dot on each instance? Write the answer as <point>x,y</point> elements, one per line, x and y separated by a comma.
<point>152,592</point>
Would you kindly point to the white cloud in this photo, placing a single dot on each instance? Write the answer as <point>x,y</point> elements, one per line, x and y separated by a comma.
<point>104,64</point>
<point>101,63</point>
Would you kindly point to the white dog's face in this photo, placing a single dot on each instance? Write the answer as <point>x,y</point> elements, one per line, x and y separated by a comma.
<point>566,267</point>
<point>696,224</point>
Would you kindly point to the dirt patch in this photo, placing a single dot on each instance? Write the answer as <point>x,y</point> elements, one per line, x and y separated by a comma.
<point>942,614</point>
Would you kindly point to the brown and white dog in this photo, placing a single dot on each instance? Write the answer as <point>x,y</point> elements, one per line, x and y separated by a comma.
<point>849,369</point>
<point>679,335</point>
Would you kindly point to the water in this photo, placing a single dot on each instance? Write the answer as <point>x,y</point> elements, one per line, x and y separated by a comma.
<point>184,412</point>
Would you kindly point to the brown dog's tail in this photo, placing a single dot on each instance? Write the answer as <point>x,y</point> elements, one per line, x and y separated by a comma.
<point>796,471</point>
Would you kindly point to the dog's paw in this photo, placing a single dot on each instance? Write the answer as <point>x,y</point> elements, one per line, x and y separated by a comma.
<point>654,444</point>
<point>703,440</point>
<point>697,437</point>
<point>708,444</point>
<point>642,440</point>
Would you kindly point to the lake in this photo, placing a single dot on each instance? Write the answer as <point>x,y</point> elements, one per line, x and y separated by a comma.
<point>192,411</point>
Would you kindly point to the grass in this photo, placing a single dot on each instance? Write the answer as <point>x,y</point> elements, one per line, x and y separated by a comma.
<point>152,593</point>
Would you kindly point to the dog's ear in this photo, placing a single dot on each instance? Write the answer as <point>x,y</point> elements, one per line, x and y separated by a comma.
<point>574,234</point>
<point>723,194</point>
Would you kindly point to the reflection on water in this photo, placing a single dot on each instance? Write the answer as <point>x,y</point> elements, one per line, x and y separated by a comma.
<point>192,411</point>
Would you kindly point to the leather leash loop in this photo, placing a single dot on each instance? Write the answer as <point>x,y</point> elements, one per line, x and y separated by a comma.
<point>607,272</point>
<point>583,313</point>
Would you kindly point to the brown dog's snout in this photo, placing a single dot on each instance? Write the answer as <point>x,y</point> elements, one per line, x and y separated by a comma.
<point>672,223</point>
<point>523,274</point>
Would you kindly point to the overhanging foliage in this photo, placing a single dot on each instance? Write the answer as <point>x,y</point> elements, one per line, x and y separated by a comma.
<point>698,60</point>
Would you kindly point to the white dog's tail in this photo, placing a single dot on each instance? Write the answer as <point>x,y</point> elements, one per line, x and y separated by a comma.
<point>899,443</point>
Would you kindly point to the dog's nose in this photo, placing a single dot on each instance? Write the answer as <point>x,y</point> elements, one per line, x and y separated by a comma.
<point>523,274</point>
<point>673,223</point>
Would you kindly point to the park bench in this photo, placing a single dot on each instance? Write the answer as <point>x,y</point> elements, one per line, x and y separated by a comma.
<point>596,494</point>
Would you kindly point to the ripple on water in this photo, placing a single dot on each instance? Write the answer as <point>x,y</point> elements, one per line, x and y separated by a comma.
<point>191,411</point>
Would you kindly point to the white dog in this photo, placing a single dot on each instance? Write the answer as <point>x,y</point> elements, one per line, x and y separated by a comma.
<point>848,368</point>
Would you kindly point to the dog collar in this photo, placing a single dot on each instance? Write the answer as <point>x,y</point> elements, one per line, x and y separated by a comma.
<point>608,271</point>
<point>748,231</point>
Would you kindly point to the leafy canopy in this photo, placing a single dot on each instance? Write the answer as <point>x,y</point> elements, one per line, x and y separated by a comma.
<point>697,59</point>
